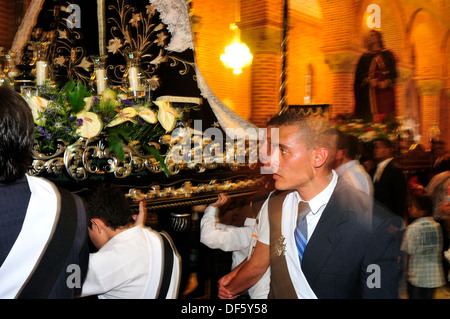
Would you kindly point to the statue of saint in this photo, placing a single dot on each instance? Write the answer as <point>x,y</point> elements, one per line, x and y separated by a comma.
<point>374,81</point>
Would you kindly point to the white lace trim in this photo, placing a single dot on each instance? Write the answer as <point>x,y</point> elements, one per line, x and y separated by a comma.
<point>226,117</point>
<point>174,13</point>
<point>29,21</point>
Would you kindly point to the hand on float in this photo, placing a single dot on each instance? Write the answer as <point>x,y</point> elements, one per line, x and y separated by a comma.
<point>141,217</point>
<point>222,200</point>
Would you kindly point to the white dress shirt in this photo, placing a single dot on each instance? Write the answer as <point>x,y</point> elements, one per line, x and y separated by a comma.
<point>226,237</point>
<point>261,289</point>
<point>128,266</point>
<point>356,175</point>
<point>240,240</point>
<point>288,224</point>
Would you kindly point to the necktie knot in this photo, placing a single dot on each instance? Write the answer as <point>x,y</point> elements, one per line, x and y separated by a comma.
<point>303,209</point>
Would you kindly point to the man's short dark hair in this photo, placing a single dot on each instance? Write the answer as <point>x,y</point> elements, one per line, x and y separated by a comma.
<point>315,130</point>
<point>108,203</point>
<point>423,202</point>
<point>16,136</point>
<point>352,146</point>
<point>385,141</point>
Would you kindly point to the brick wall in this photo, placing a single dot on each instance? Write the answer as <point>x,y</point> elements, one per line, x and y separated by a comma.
<point>8,23</point>
<point>304,48</point>
<point>266,71</point>
<point>213,36</point>
<point>416,39</point>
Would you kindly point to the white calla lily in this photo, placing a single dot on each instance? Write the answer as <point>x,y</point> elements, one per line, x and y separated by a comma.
<point>92,124</point>
<point>147,114</point>
<point>124,115</point>
<point>37,105</point>
<point>89,102</point>
<point>167,116</point>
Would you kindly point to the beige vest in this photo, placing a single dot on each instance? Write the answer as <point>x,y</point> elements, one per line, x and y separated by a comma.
<point>281,286</point>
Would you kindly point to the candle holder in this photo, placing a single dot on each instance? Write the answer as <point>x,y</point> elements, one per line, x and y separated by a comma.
<point>9,67</point>
<point>134,78</point>
<point>25,76</point>
<point>99,79</point>
<point>40,50</point>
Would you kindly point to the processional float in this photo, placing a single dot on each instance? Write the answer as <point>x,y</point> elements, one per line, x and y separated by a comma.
<point>128,105</point>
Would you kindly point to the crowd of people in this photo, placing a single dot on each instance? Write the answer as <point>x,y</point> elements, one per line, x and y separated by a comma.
<point>355,220</point>
<point>324,228</point>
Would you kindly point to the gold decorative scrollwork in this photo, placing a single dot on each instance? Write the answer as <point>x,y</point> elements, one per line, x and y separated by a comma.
<point>188,189</point>
<point>87,157</point>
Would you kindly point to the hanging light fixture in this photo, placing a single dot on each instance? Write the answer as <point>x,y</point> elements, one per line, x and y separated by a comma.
<point>237,55</point>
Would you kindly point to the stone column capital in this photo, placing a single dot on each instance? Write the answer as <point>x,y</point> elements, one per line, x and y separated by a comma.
<point>263,39</point>
<point>342,62</point>
<point>429,87</point>
<point>404,72</point>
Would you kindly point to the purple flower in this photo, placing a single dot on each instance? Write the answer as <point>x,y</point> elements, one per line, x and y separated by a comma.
<point>79,122</point>
<point>48,136</point>
<point>127,102</point>
<point>41,130</point>
<point>95,100</point>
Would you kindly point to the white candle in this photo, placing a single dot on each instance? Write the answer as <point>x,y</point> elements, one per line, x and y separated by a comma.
<point>41,72</point>
<point>133,77</point>
<point>101,82</point>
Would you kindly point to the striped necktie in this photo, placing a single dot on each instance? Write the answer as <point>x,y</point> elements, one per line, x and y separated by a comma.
<point>301,231</point>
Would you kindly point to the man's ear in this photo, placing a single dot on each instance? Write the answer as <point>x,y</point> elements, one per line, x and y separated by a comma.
<point>320,156</point>
<point>98,225</point>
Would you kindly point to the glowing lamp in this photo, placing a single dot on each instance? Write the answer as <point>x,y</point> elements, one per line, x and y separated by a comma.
<point>237,56</point>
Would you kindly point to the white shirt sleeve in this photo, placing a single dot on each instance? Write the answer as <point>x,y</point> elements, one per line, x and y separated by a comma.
<point>264,226</point>
<point>224,237</point>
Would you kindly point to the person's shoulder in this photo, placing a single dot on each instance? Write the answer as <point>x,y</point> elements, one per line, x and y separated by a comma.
<point>393,166</point>
<point>351,200</point>
<point>383,215</point>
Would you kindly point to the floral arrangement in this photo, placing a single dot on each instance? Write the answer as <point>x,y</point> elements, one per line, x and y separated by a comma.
<point>72,113</point>
<point>381,127</point>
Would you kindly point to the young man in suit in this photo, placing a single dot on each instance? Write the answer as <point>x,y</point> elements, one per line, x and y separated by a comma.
<point>352,246</point>
<point>390,186</point>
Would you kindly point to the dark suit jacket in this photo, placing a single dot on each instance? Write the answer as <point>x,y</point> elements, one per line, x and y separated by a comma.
<point>14,199</point>
<point>353,248</point>
<point>391,189</point>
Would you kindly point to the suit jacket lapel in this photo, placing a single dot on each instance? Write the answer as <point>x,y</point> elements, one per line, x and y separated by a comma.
<point>386,170</point>
<point>325,238</point>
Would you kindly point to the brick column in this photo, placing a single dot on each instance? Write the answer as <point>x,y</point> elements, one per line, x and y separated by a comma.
<point>342,65</point>
<point>430,97</point>
<point>265,85</point>
<point>404,73</point>
<point>261,30</point>
<point>445,114</point>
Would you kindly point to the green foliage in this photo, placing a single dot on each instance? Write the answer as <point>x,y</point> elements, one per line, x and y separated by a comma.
<point>75,93</point>
<point>58,120</point>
